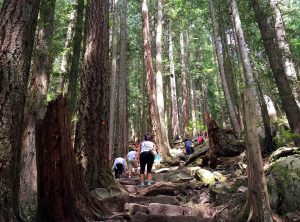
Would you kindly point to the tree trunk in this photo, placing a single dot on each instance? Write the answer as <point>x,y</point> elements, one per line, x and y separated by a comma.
<point>266,26</point>
<point>192,90</point>
<point>221,143</point>
<point>91,144</point>
<point>185,103</point>
<point>35,108</point>
<point>113,79</point>
<point>154,115</point>
<point>159,78</point>
<point>218,46</point>
<point>17,25</point>
<point>175,120</point>
<point>66,57</point>
<point>249,78</point>
<point>284,49</point>
<point>75,60</point>
<point>58,172</point>
<point>122,86</point>
<point>257,207</point>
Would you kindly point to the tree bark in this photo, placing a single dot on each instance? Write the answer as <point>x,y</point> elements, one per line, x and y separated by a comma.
<point>257,207</point>
<point>192,90</point>
<point>58,172</point>
<point>122,86</point>
<point>159,78</point>
<point>266,27</point>
<point>113,79</point>
<point>218,46</point>
<point>249,78</point>
<point>91,143</point>
<point>17,25</point>
<point>185,101</point>
<point>175,120</point>
<point>35,109</point>
<point>75,60</point>
<point>284,48</point>
<point>154,115</point>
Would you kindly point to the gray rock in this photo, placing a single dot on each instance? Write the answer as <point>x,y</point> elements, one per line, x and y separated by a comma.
<point>165,209</point>
<point>283,180</point>
<point>181,178</point>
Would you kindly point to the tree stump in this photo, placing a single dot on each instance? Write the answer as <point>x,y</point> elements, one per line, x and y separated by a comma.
<point>221,143</point>
<point>62,193</point>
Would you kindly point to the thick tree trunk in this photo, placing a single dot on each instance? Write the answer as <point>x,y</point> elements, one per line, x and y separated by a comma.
<point>35,108</point>
<point>218,46</point>
<point>154,115</point>
<point>159,78</point>
<point>122,86</point>
<point>175,120</point>
<point>249,79</point>
<point>257,207</point>
<point>112,99</point>
<point>58,172</point>
<point>75,60</point>
<point>284,49</point>
<point>185,101</point>
<point>266,26</point>
<point>91,144</point>
<point>17,25</point>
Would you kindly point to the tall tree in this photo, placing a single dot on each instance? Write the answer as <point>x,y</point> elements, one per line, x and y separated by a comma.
<point>264,132</point>
<point>192,91</point>
<point>122,86</point>
<point>159,78</point>
<point>17,23</point>
<point>154,115</point>
<point>218,46</point>
<point>91,144</point>
<point>266,25</point>
<point>76,52</point>
<point>175,120</point>
<point>185,100</point>
<point>113,78</point>
<point>35,107</point>
<point>284,48</point>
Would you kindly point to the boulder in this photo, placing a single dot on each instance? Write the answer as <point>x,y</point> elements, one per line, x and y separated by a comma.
<point>163,218</point>
<point>181,178</point>
<point>162,199</point>
<point>283,178</point>
<point>133,209</point>
<point>205,176</point>
<point>165,209</point>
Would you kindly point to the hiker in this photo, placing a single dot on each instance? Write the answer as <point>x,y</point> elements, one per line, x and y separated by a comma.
<point>132,161</point>
<point>188,146</point>
<point>120,167</point>
<point>200,139</point>
<point>146,156</point>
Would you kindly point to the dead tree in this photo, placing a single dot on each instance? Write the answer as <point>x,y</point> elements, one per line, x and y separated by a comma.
<point>62,194</point>
<point>221,143</point>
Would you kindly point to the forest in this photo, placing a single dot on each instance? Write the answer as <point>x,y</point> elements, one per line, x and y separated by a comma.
<point>213,86</point>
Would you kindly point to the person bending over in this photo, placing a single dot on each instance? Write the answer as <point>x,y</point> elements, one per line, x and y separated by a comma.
<point>146,157</point>
<point>120,167</point>
<point>132,163</point>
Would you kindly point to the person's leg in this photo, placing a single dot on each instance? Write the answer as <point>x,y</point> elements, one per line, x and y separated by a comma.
<point>150,160</point>
<point>119,169</point>
<point>129,168</point>
<point>143,159</point>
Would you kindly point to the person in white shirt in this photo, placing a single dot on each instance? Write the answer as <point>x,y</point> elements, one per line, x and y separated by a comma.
<point>120,167</point>
<point>132,163</point>
<point>146,157</point>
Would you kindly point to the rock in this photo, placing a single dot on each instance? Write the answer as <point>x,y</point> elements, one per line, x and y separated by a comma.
<point>115,204</point>
<point>219,177</point>
<point>283,180</point>
<point>131,189</point>
<point>163,170</point>
<point>242,189</point>
<point>181,178</point>
<point>136,208</point>
<point>193,170</point>
<point>204,198</point>
<point>165,209</point>
<point>100,193</point>
<point>163,218</point>
<point>205,176</point>
<point>162,199</point>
